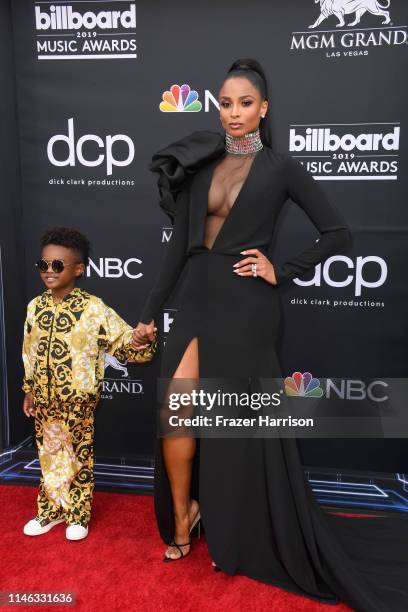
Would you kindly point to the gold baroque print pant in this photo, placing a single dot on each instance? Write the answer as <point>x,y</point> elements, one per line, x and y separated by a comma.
<point>64,437</point>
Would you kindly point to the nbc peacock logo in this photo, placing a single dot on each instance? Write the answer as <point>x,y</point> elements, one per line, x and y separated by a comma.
<point>303,385</point>
<point>180,99</point>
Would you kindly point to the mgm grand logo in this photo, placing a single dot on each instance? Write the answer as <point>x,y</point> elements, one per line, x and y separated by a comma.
<point>351,38</point>
<point>120,384</point>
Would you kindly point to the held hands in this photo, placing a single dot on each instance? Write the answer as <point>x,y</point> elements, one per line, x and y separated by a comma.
<point>143,335</point>
<point>28,407</point>
<point>264,268</point>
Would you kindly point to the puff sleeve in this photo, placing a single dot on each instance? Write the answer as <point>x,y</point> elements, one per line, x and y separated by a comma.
<point>175,165</point>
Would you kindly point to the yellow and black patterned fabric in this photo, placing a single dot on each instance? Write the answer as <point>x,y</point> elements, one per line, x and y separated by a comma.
<point>64,361</point>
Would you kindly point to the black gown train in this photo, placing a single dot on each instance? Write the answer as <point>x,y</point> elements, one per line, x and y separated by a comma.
<point>259,513</point>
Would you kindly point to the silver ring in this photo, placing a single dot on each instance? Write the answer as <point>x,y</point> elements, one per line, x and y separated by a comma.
<point>253,268</point>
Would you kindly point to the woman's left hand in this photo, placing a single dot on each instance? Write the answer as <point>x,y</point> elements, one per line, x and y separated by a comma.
<point>264,268</point>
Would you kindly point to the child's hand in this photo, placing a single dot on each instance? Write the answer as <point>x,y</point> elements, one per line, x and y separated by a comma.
<point>28,407</point>
<point>143,335</point>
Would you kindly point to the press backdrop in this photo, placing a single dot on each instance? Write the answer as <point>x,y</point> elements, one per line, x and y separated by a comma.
<point>87,115</point>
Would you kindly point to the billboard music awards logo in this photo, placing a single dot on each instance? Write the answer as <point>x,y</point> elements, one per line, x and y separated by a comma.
<point>122,383</point>
<point>347,151</point>
<point>86,30</point>
<point>338,38</point>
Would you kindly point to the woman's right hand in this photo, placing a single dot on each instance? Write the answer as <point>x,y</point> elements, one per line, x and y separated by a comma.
<point>28,406</point>
<point>143,334</point>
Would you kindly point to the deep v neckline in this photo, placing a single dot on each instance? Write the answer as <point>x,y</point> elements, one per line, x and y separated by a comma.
<point>210,173</point>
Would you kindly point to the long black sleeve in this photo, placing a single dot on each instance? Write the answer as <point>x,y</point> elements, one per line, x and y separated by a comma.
<point>174,259</point>
<point>307,193</point>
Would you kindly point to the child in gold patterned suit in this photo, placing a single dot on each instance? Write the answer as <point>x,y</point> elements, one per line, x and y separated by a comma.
<point>66,335</point>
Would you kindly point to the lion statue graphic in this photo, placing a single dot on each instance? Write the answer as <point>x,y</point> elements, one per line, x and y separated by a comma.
<point>111,361</point>
<point>339,8</point>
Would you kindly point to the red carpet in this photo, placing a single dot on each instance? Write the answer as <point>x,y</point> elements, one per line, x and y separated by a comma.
<point>119,567</point>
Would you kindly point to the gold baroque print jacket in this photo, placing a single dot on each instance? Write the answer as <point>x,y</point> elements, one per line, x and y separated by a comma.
<point>65,344</point>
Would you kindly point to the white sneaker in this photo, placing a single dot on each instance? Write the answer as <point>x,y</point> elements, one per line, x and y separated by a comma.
<point>33,527</point>
<point>76,532</point>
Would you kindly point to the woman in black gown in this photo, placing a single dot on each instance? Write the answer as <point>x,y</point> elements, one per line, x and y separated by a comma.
<point>224,193</point>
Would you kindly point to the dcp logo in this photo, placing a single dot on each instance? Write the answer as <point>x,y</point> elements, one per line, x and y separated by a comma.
<point>358,275</point>
<point>102,149</point>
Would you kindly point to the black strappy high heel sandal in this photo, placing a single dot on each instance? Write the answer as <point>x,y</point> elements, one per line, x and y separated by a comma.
<point>182,555</point>
<point>196,526</point>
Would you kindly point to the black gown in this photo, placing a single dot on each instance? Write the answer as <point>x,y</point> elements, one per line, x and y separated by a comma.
<point>260,515</point>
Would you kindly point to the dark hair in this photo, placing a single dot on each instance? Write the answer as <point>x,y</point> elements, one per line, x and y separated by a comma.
<point>70,239</point>
<point>252,70</point>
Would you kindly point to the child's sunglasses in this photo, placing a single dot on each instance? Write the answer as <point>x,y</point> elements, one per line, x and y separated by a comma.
<point>57,265</point>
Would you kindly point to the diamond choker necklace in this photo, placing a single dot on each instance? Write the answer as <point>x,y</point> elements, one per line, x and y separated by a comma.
<point>240,145</point>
